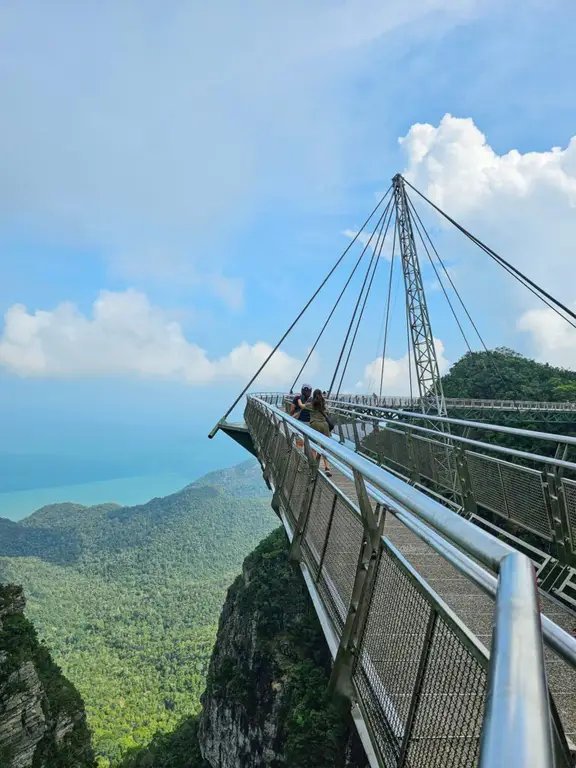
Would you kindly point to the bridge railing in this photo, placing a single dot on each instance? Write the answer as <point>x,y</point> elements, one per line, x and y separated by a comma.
<point>402,656</point>
<point>458,402</point>
<point>530,497</point>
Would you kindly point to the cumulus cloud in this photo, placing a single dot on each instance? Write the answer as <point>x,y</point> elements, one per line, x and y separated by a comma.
<point>521,204</point>
<point>460,171</point>
<point>125,336</point>
<point>554,340</point>
<point>396,379</point>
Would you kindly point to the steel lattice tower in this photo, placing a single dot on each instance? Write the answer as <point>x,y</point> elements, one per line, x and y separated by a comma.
<point>425,360</point>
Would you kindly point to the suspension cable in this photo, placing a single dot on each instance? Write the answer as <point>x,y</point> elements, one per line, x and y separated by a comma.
<point>377,255</point>
<point>490,358</point>
<point>302,311</point>
<point>388,305</point>
<point>431,260</point>
<point>447,273</point>
<point>342,292</point>
<point>345,343</point>
<point>516,273</point>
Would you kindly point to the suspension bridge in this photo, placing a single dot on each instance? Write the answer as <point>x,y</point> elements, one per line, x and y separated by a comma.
<point>440,553</point>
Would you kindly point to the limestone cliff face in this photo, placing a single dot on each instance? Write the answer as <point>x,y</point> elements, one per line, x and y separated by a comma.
<point>42,719</point>
<point>266,702</point>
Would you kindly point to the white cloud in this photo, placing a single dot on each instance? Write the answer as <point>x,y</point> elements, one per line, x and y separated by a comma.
<point>553,339</point>
<point>460,171</point>
<point>125,336</point>
<point>521,204</point>
<point>396,379</point>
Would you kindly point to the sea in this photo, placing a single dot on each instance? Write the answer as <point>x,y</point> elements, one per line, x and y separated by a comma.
<point>130,477</point>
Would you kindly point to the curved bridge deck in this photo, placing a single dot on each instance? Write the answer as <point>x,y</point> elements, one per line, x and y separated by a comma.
<point>408,615</point>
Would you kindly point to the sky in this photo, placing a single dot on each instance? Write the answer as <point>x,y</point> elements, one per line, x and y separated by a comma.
<point>176,179</point>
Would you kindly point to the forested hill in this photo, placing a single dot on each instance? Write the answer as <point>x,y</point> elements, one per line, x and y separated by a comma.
<point>128,598</point>
<point>507,375</point>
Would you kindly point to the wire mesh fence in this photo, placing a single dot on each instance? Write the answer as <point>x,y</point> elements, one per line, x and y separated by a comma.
<point>419,676</point>
<point>474,480</point>
<point>510,493</point>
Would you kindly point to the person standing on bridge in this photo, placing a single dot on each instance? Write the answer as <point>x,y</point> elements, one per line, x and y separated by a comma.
<point>319,420</point>
<point>299,402</point>
<point>298,411</point>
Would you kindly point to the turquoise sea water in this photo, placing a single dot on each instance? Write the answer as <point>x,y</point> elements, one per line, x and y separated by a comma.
<point>126,491</point>
<point>96,465</point>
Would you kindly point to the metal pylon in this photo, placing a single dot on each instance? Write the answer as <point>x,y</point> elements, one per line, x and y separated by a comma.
<point>425,360</point>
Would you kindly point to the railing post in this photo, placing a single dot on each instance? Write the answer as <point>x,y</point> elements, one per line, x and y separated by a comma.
<point>356,435</point>
<point>327,537</point>
<point>313,464</point>
<point>560,508</point>
<point>557,512</point>
<point>271,426</point>
<point>411,449</point>
<point>276,496</point>
<point>415,701</point>
<point>517,727</point>
<point>366,570</point>
<point>340,430</point>
<point>468,500</point>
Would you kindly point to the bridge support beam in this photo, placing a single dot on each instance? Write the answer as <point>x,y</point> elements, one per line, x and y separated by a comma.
<point>366,570</point>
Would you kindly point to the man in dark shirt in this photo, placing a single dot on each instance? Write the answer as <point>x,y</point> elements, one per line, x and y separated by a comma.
<point>299,401</point>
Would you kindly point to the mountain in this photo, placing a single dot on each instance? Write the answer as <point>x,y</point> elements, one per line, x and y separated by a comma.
<point>128,598</point>
<point>42,718</point>
<point>505,374</point>
<point>266,703</point>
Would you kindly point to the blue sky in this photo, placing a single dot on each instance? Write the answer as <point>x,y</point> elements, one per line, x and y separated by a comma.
<point>200,163</point>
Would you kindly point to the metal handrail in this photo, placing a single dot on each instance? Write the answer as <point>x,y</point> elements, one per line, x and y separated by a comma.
<point>474,424</point>
<point>459,439</point>
<point>535,405</point>
<point>556,638</point>
<point>476,542</point>
<point>517,724</point>
<point>517,431</point>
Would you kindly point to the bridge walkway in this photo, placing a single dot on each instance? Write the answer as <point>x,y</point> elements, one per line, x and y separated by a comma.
<point>408,632</point>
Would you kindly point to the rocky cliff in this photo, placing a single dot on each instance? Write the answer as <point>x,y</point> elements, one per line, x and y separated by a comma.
<point>266,702</point>
<point>42,719</point>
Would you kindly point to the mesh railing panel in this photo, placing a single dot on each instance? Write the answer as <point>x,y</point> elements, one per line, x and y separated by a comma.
<point>281,458</point>
<point>391,648</point>
<point>365,429</point>
<point>569,487</point>
<point>278,454</point>
<point>421,685</point>
<point>420,680</point>
<point>301,480</point>
<point>268,435</point>
<point>448,717</point>
<point>424,457</point>
<point>486,482</point>
<point>525,498</point>
<point>286,488</point>
<point>316,529</point>
<point>511,491</point>
<point>340,561</point>
<point>400,453</point>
